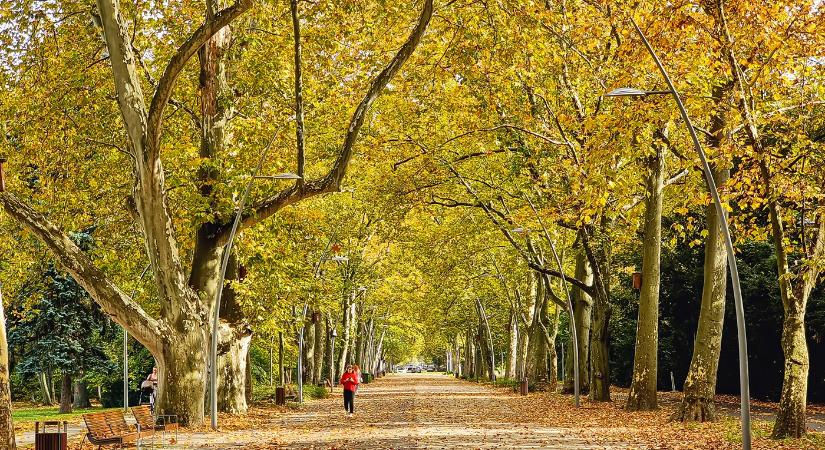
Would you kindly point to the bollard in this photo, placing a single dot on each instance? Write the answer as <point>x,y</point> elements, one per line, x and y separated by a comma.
<point>525,386</point>
<point>2,175</point>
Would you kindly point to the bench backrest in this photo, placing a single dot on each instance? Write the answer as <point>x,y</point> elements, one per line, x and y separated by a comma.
<point>143,417</point>
<point>117,423</point>
<point>97,425</point>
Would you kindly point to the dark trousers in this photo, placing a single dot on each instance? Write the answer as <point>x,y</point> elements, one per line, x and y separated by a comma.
<point>349,401</point>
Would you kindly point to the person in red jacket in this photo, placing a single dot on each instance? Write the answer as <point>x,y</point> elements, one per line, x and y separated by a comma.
<point>350,382</point>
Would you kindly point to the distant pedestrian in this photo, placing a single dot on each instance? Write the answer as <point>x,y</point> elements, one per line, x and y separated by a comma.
<point>350,382</point>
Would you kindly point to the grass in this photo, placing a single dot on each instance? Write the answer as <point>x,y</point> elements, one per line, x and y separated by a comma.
<point>266,394</point>
<point>41,413</point>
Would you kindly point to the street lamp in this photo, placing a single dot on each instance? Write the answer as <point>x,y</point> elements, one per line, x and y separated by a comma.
<point>213,354</point>
<point>126,349</point>
<point>744,388</point>
<point>631,92</point>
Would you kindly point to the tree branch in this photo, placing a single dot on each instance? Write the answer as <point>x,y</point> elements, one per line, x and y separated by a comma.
<point>163,92</point>
<point>299,90</point>
<point>114,302</point>
<point>331,182</point>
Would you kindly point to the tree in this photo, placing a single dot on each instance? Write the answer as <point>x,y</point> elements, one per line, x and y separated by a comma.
<point>177,337</point>
<point>6,422</point>
<point>59,328</point>
<point>795,283</point>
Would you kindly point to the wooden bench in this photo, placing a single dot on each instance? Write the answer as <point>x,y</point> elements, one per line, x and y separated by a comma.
<point>147,423</point>
<point>109,429</point>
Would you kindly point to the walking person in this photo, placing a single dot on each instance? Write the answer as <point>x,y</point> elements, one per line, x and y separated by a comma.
<point>350,382</point>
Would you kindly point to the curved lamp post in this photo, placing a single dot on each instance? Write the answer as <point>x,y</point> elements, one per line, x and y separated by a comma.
<point>734,271</point>
<point>213,353</point>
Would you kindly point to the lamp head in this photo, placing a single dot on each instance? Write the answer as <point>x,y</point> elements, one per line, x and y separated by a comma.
<point>633,92</point>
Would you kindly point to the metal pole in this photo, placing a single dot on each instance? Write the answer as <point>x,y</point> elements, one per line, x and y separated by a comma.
<point>301,355</point>
<point>744,387</point>
<point>125,370</point>
<point>126,349</point>
<point>213,353</point>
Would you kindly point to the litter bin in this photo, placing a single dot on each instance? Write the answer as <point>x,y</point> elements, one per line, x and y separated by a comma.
<point>525,386</point>
<point>50,440</point>
<point>280,395</point>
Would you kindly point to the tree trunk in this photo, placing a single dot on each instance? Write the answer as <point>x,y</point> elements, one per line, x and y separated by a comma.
<point>309,351</point>
<point>487,337</point>
<point>512,355</point>
<point>537,360</point>
<point>523,353</point>
<point>319,349</point>
<point>181,369</point>
<point>552,357</point>
<point>599,352</point>
<point>249,381</point>
<point>235,341</point>
<point>281,374</point>
<point>271,363</point>
<point>700,383</point>
<point>330,350</point>
<point>360,338</point>
<point>81,395</point>
<point>582,315</point>
<point>6,422</point>
<point>598,256</point>
<point>232,374</point>
<point>345,339</point>
<point>66,394</point>
<point>642,396</point>
<point>790,417</point>
<point>45,390</point>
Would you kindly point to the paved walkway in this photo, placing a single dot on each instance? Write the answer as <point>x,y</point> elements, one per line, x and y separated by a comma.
<point>405,411</point>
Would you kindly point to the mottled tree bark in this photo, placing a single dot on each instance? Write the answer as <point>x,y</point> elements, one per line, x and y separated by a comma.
<point>512,355</point>
<point>6,423</point>
<point>319,349</point>
<point>582,313</point>
<point>642,396</point>
<point>700,384</point>
<point>66,388</point>
<point>81,395</point>
<point>598,254</point>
